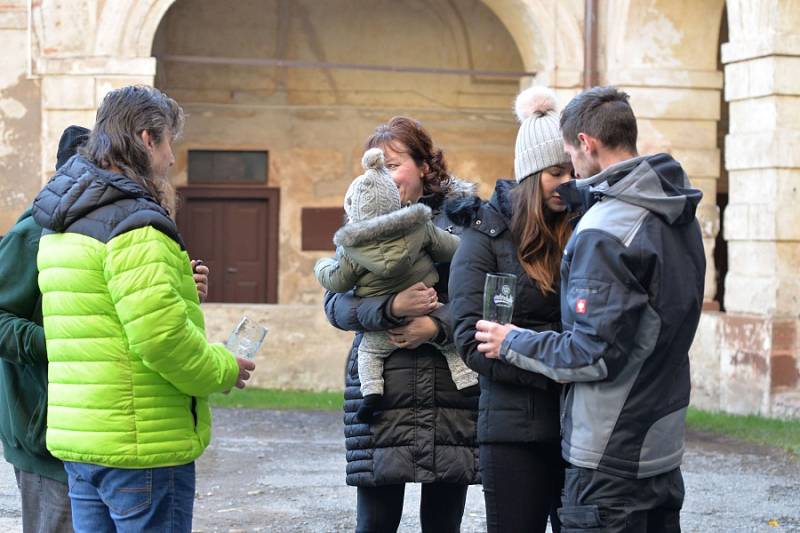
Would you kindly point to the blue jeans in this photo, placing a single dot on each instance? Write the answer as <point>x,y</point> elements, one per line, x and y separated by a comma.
<point>131,500</point>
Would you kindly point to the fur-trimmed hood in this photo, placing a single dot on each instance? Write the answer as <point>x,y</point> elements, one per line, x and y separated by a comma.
<point>456,189</point>
<point>460,188</point>
<point>388,226</point>
<point>396,244</point>
<point>493,215</point>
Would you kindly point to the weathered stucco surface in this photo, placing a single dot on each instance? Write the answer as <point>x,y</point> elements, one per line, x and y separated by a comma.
<point>313,122</point>
<point>665,53</point>
<point>300,351</point>
<point>19,117</point>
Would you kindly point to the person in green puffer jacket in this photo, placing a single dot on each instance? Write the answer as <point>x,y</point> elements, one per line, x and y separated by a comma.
<point>41,478</point>
<point>130,369</point>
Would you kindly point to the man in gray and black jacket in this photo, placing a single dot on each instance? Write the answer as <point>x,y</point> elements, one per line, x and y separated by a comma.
<point>632,291</point>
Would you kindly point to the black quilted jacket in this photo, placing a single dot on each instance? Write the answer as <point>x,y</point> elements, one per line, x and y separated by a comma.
<point>424,429</point>
<point>515,405</point>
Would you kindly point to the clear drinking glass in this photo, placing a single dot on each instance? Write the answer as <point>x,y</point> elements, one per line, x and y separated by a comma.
<point>246,338</point>
<point>498,297</point>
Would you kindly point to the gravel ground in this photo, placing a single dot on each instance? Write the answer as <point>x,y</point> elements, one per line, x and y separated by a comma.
<point>283,471</point>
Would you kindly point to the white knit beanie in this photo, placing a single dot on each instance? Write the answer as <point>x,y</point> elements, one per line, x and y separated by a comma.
<point>539,144</point>
<point>374,193</point>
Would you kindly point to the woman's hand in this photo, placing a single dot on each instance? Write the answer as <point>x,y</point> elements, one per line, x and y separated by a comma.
<point>419,331</point>
<point>200,279</point>
<point>415,301</point>
<point>491,336</point>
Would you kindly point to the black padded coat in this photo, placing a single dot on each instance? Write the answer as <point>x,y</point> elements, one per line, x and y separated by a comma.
<point>424,429</point>
<point>515,405</point>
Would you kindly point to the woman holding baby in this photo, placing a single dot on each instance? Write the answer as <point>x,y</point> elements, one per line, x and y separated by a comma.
<point>422,427</point>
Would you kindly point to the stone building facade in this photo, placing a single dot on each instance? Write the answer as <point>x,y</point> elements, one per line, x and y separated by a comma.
<point>303,82</point>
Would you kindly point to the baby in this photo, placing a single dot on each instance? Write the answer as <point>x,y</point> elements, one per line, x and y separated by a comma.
<point>384,249</point>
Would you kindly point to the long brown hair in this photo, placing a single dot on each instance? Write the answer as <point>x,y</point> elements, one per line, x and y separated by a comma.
<point>418,145</point>
<point>115,140</point>
<point>539,233</point>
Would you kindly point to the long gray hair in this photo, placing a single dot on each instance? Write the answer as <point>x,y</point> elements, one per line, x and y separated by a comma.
<point>116,139</point>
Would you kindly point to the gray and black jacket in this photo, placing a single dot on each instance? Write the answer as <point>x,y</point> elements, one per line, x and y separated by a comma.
<point>631,295</point>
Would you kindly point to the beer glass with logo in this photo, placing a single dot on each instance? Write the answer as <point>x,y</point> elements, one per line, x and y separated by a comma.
<point>246,338</point>
<point>498,297</point>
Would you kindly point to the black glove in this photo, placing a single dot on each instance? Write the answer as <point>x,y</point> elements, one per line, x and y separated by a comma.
<point>368,406</point>
<point>472,390</point>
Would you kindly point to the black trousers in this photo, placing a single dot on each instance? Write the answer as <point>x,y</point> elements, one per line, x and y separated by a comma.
<point>440,510</point>
<point>521,486</point>
<point>597,501</point>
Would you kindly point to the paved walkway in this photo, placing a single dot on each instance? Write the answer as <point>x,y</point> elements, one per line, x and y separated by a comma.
<point>284,472</point>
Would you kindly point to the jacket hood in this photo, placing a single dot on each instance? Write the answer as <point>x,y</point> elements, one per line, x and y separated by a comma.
<point>77,189</point>
<point>28,213</point>
<point>391,225</point>
<point>457,189</point>
<point>464,211</point>
<point>655,182</point>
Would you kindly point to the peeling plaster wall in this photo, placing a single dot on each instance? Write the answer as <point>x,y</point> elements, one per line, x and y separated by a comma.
<point>313,122</point>
<point>20,117</point>
<point>664,52</point>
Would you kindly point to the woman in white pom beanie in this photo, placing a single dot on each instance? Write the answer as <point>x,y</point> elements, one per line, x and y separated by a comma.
<point>522,230</point>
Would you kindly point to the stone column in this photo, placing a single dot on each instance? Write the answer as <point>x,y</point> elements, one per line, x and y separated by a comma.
<point>72,89</point>
<point>664,54</point>
<point>762,221</point>
<point>19,116</point>
<point>654,51</point>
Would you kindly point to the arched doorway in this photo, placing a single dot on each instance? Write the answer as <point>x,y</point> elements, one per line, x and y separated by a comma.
<point>348,66</point>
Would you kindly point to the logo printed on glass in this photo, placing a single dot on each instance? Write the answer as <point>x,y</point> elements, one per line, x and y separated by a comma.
<point>505,298</point>
<point>498,297</point>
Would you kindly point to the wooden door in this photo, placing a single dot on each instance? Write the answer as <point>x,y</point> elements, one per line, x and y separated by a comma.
<point>234,230</point>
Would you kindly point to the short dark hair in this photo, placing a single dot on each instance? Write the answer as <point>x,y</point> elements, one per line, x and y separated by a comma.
<point>603,113</point>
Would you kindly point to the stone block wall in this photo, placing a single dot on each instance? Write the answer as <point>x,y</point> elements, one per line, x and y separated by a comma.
<point>663,52</point>
<point>301,350</point>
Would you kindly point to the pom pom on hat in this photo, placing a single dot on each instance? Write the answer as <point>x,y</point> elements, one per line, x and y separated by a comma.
<point>374,193</point>
<point>539,144</point>
<point>534,100</point>
<point>372,159</point>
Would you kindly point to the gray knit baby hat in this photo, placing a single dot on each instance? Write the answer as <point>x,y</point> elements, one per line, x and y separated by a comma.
<point>539,144</point>
<point>374,193</point>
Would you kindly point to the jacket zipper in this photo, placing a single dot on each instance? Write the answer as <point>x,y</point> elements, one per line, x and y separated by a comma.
<point>530,404</point>
<point>564,392</point>
<point>194,411</point>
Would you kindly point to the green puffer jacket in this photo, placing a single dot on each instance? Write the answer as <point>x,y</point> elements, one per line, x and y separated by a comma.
<point>387,254</point>
<point>129,364</point>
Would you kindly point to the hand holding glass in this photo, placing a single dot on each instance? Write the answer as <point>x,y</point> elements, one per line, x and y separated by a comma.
<point>246,338</point>
<point>498,297</point>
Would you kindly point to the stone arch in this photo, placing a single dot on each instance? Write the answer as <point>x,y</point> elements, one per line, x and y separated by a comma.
<point>468,115</point>
<point>548,33</point>
<point>127,27</point>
